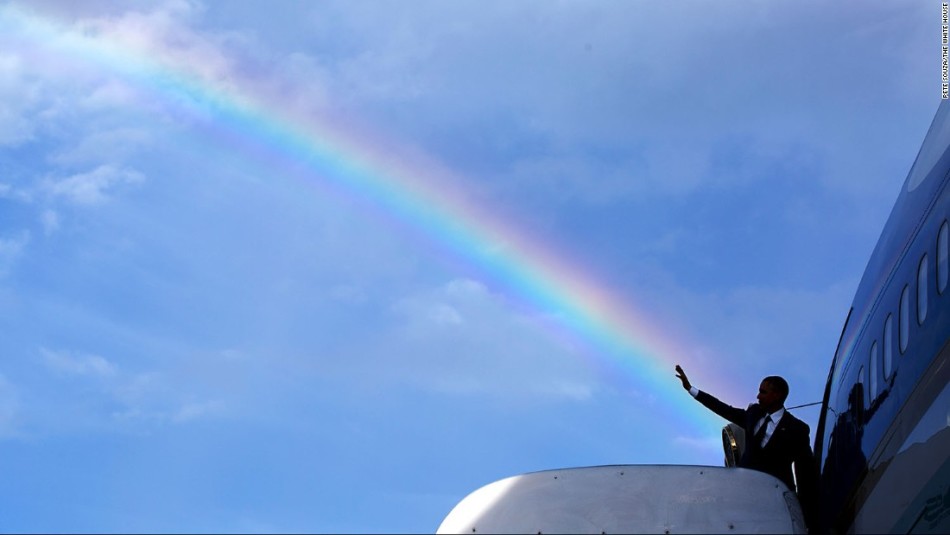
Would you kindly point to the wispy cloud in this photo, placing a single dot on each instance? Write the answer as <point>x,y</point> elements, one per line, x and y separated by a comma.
<point>194,411</point>
<point>149,399</point>
<point>93,187</point>
<point>69,363</point>
<point>18,101</point>
<point>149,419</point>
<point>462,339</point>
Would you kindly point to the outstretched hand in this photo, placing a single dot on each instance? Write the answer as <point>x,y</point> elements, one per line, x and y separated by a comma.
<point>681,375</point>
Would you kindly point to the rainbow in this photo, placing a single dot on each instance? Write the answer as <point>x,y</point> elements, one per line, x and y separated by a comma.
<point>417,192</point>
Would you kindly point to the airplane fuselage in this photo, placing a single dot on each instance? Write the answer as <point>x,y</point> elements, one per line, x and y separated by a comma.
<point>883,439</point>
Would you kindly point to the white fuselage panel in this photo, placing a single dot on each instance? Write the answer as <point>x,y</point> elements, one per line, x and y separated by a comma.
<point>630,499</point>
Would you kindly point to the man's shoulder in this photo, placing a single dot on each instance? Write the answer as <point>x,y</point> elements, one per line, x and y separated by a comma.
<point>792,421</point>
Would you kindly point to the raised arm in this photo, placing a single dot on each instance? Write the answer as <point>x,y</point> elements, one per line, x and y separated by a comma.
<point>734,415</point>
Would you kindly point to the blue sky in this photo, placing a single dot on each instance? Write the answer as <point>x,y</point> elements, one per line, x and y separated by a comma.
<point>201,333</point>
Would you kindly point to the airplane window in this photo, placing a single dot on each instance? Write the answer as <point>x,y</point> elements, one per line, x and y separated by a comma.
<point>888,345</point>
<point>904,331</point>
<point>943,252</point>
<point>922,290</point>
<point>861,382</point>
<point>872,370</point>
<point>930,153</point>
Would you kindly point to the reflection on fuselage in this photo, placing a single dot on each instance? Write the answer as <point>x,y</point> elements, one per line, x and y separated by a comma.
<point>882,439</point>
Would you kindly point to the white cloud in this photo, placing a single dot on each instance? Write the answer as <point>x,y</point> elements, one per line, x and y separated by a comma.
<point>166,39</point>
<point>134,401</point>
<point>15,193</point>
<point>135,390</point>
<point>444,306</point>
<point>69,363</point>
<point>161,398</point>
<point>18,102</point>
<point>444,314</point>
<point>16,128</point>
<point>120,143</point>
<point>465,288</point>
<point>161,33</point>
<point>461,339</point>
<point>109,95</point>
<point>194,411</point>
<point>93,187</point>
<point>655,128</point>
<point>303,80</point>
<point>577,391</point>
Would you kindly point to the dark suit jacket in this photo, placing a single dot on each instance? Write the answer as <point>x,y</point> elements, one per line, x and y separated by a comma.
<point>788,444</point>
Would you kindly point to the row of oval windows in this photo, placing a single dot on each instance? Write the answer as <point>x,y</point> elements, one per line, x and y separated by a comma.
<point>903,334</point>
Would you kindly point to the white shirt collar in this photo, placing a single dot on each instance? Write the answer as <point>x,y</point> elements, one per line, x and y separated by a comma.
<point>777,415</point>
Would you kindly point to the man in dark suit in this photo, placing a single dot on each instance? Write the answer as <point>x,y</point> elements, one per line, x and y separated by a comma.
<point>775,440</point>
